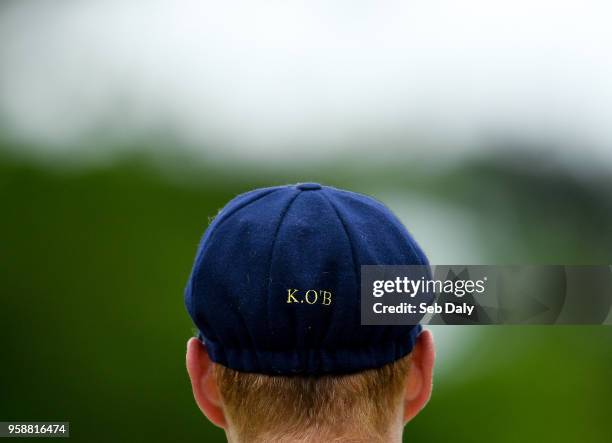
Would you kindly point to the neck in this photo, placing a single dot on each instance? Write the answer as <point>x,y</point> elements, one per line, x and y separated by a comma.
<point>393,435</point>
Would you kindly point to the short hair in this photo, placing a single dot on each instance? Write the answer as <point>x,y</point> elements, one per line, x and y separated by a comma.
<point>267,408</point>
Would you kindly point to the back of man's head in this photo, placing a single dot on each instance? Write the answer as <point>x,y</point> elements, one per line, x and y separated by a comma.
<point>363,406</point>
<point>281,354</point>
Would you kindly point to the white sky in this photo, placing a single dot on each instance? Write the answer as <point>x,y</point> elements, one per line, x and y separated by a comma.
<point>263,79</point>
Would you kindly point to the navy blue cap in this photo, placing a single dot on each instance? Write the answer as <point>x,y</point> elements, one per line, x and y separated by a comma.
<point>275,287</point>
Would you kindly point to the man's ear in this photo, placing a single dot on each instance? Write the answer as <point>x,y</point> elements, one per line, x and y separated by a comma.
<point>203,383</point>
<point>420,376</point>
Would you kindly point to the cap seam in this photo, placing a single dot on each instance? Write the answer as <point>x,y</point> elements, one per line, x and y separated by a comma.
<point>272,249</point>
<point>317,359</point>
<point>352,249</point>
<point>402,227</point>
<point>348,237</point>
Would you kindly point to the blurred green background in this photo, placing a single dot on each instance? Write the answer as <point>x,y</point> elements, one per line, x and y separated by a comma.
<point>125,125</point>
<point>94,262</point>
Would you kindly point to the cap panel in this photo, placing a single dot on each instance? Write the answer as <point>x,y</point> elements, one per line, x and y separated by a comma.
<point>232,206</point>
<point>313,291</point>
<point>230,281</point>
<point>377,238</point>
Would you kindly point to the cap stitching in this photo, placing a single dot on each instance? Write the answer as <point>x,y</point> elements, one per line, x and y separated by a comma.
<point>278,228</point>
<point>395,339</point>
<point>416,250</point>
<point>348,237</point>
<point>397,347</point>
